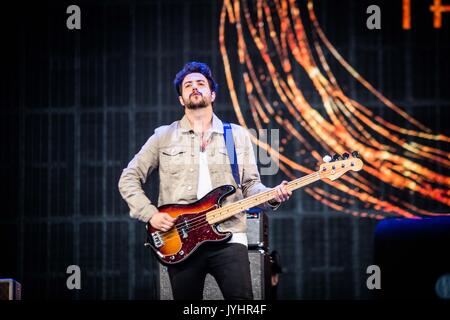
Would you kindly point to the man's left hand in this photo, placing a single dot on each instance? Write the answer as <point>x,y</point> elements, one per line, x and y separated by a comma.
<point>283,194</point>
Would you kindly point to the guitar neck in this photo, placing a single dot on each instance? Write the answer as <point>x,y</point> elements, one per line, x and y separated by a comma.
<point>223,213</point>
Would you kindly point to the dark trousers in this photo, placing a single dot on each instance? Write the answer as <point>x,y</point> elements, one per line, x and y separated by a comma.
<point>228,263</point>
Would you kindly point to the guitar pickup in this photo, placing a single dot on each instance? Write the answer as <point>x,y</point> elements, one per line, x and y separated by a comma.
<point>183,230</point>
<point>157,239</point>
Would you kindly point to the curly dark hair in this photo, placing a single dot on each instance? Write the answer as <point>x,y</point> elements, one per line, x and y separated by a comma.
<point>194,67</point>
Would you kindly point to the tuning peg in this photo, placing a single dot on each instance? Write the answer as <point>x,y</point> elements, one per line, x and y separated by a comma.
<point>336,157</point>
<point>345,155</point>
<point>327,158</point>
<point>355,154</point>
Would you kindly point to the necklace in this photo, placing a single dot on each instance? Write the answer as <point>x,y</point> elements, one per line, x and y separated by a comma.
<point>203,142</point>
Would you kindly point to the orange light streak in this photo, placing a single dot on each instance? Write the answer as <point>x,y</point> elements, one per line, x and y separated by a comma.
<point>335,125</point>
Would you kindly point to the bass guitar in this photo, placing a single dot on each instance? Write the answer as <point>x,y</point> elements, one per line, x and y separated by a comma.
<point>196,223</point>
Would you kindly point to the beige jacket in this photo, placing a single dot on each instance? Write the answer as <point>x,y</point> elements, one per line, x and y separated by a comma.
<point>174,150</point>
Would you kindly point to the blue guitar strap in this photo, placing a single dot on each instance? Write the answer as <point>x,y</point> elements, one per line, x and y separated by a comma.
<point>231,150</point>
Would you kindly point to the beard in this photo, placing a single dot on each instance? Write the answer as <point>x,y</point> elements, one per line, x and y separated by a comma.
<point>196,105</point>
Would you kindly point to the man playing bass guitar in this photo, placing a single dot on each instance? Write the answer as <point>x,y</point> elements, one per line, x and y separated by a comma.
<point>194,162</point>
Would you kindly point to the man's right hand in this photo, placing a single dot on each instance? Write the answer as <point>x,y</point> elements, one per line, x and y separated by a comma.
<point>162,221</point>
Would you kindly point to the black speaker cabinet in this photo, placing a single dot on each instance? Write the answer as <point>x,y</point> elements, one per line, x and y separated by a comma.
<point>259,268</point>
<point>10,289</point>
<point>257,230</point>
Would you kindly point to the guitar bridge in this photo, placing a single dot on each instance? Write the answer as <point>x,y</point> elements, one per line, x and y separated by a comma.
<point>157,239</point>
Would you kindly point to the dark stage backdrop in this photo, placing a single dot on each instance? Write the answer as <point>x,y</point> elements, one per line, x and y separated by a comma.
<point>76,105</point>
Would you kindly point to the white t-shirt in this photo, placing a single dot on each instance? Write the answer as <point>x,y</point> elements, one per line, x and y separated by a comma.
<point>204,186</point>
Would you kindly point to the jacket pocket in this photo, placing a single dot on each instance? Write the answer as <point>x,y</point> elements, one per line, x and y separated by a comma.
<point>174,159</point>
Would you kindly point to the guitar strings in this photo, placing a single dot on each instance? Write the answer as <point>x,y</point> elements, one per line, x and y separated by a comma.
<point>196,223</point>
<point>235,206</point>
<point>200,221</point>
<point>249,199</point>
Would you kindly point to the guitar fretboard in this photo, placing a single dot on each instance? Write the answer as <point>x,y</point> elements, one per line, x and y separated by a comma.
<point>223,213</point>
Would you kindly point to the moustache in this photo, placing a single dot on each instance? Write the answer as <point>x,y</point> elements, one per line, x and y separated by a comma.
<point>194,93</point>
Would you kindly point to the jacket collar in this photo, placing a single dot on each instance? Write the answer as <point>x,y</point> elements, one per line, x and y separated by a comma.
<point>217,125</point>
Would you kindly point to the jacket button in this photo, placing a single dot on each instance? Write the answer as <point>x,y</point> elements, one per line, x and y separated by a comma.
<point>189,188</point>
<point>191,169</point>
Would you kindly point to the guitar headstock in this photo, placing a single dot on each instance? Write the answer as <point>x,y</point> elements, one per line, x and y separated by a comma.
<point>338,165</point>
